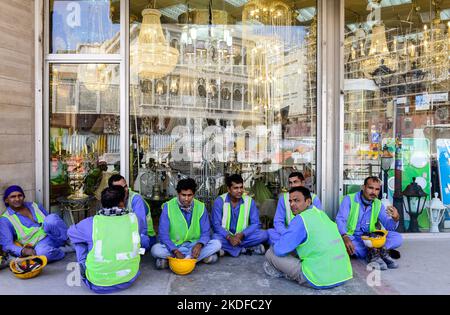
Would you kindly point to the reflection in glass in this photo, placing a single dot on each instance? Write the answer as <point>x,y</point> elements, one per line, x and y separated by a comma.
<point>84,133</point>
<point>85,27</point>
<point>397,84</point>
<point>225,107</point>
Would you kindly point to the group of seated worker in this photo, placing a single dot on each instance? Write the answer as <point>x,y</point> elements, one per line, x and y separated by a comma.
<point>304,246</point>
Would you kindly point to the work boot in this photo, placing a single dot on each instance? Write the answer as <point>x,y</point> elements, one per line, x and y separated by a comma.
<point>390,263</point>
<point>258,250</point>
<point>221,253</point>
<point>373,257</point>
<point>271,270</point>
<point>395,254</point>
<point>161,263</point>
<point>211,259</point>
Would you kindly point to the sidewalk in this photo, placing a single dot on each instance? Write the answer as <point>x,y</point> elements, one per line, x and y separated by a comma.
<point>424,269</point>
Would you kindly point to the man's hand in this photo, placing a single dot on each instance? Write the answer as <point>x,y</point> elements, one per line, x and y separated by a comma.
<point>178,254</point>
<point>233,239</point>
<point>196,250</point>
<point>348,244</point>
<point>28,251</point>
<point>393,213</point>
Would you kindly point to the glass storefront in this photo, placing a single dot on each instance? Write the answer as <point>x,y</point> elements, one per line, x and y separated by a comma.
<point>397,122</point>
<point>204,89</point>
<point>212,90</point>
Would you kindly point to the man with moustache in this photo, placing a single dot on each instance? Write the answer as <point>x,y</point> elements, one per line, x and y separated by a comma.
<point>322,260</point>
<point>360,213</point>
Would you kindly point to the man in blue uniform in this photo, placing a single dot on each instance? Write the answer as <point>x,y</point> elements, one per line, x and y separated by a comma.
<point>235,220</point>
<point>283,214</point>
<point>26,228</point>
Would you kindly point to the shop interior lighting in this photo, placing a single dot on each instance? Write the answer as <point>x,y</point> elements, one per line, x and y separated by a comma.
<point>445,14</point>
<point>306,14</point>
<point>237,3</point>
<point>174,11</point>
<point>391,3</point>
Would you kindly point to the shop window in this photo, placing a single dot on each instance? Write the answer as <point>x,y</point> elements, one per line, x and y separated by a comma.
<point>84,27</point>
<point>227,80</point>
<point>397,97</point>
<point>84,134</point>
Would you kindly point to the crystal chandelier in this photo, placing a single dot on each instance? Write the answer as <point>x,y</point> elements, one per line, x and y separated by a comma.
<point>95,77</point>
<point>379,54</point>
<point>156,57</point>
<point>265,50</point>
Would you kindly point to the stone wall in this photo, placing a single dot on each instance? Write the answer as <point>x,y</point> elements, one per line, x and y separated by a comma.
<point>17,162</point>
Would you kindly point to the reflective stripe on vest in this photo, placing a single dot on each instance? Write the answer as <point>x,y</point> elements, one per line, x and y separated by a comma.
<point>148,213</point>
<point>28,235</point>
<point>244,214</point>
<point>353,216</point>
<point>325,261</point>
<point>114,257</point>
<point>179,231</point>
<point>289,215</point>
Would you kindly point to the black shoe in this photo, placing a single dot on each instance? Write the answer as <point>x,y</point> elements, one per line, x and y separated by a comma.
<point>394,253</point>
<point>390,263</point>
<point>374,258</point>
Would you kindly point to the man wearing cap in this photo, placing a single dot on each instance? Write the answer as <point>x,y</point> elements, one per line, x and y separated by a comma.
<point>108,244</point>
<point>26,229</point>
<point>360,213</point>
<point>322,260</point>
<point>235,220</point>
<point>134,202</point>
<point>184,228</point>
<point>283,214</point>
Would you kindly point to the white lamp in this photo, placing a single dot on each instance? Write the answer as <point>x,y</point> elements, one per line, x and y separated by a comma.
<point>436,213</point>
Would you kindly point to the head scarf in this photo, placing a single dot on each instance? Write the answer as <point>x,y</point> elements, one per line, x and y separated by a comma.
<point>10,190</point>
<point>111,212</point>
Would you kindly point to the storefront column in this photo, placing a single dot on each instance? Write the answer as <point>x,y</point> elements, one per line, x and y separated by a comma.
<point>330,112</point>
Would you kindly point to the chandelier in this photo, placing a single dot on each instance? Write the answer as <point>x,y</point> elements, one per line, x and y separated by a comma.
<point>93,76</point>
<point>265,50</point>
<point>379,54</point>
<point>156,57</point>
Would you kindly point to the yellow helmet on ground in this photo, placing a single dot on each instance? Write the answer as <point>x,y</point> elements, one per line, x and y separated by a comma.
<point>28,267</point>
<point>376,239</point>
<point>182,266</point>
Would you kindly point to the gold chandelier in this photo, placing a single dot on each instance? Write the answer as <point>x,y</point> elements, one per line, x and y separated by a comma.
<point>265,50</point>
<point>156,57</point>
<point>378,53</point>
<point>94,76</point>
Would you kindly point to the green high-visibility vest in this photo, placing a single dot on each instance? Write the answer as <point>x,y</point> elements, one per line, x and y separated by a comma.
<point>244,214</point>
<point>131,196</point>
<point>325,261</point>
<point>289,215</point>
<point>179,231</point>
<point>28,235</point>
<point>114,257</point>
<point>353,216</point>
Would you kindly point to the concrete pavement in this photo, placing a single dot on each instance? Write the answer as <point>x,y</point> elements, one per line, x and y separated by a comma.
<point>424,269</point>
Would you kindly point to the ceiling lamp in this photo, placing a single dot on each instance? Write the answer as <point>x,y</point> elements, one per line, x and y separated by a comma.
<point>379,54</point>
<point>156,57</point>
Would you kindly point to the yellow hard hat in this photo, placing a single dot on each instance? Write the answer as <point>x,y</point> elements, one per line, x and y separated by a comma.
<point>182,266</point>
<point>28,267</point>
<point>377,240</point>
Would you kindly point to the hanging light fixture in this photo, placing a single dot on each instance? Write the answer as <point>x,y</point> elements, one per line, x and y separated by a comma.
<point>379,54</point>
<point>93,76</point>
<point>156,57</point>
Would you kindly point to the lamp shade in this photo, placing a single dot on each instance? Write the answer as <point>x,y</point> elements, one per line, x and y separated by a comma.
<point>414,198</point>
<point>156,57</point>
